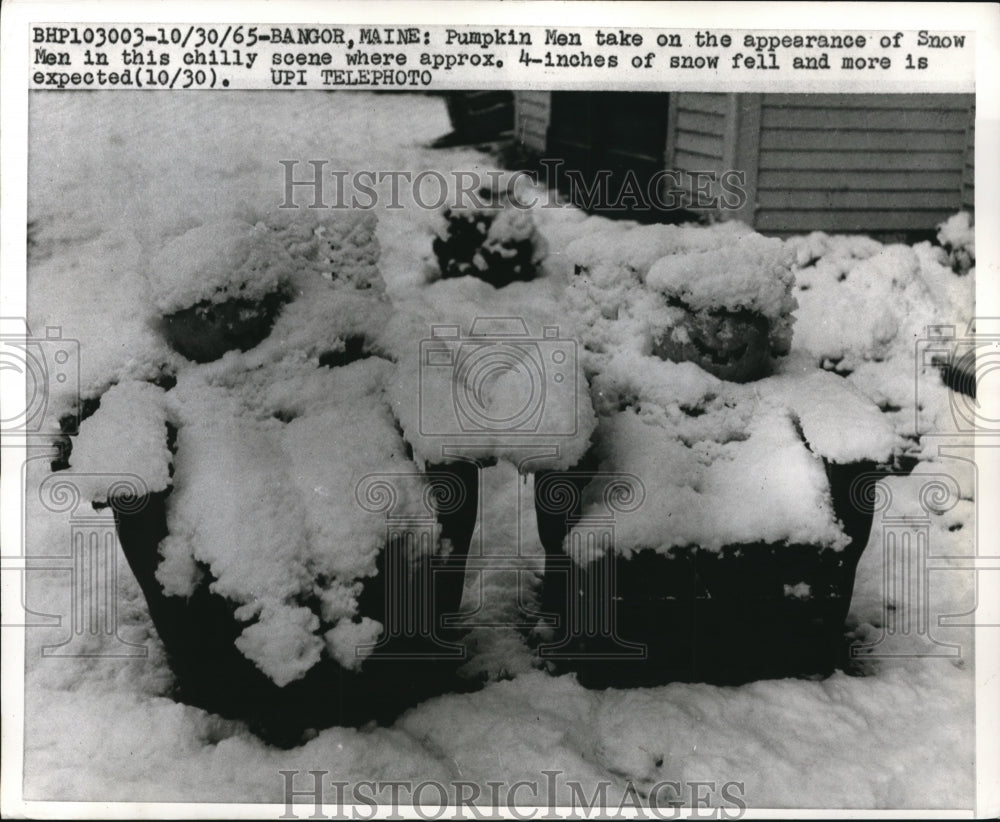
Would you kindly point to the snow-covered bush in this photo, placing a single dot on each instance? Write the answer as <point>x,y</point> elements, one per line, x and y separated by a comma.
<point>958,237</point>
<point>894,295</point>
<point>341,246</point>
<point>498,243</point>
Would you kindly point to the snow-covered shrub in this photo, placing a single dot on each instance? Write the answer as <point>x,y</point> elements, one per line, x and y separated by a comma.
<point>341,246</point>
<point>893,294</point>
<point>958,237</point>
<point>498,243</point>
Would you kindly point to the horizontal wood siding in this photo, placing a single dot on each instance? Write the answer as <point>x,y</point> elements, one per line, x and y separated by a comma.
<point>531,117</point>
<point>697,131</point>
<point>873,162</point>
<point>969,169</point>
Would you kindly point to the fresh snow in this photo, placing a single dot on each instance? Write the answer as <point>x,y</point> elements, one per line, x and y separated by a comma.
<point>271,446</point>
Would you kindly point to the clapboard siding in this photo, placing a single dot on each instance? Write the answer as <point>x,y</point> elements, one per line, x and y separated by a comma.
<point>877,179</point>
<point>700,145</point>
<point>531,117</point>
<point>886,102</point>
<point>705,103</point>
<point>695,161</point>
<point>860,162</point>
<point>859,140</point>
<point>864,119</point>
<point>797,221</point>
<point>700,122</point>
<point>969,165</point>
<point>697,131</point>
<point>831,162</point>
<point>865,199</point>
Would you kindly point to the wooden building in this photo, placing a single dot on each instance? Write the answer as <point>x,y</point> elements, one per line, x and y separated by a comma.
<point>872,163</point>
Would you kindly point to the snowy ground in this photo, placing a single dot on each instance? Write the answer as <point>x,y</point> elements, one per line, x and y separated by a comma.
<point>115,176</point>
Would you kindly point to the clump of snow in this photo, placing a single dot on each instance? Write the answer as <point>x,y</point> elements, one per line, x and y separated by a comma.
<point>810,247</point>
<point>958,236</point>
<point>725,463</point>
<point>693,405</point>
<point>217,261</point>
<point>644,245</point>
<point>268,465</point>
<point>612,307</point>
<point>578,243</point>
<point>800,590</point>
<point>739,476</point>
<point>878,288</point>
<point>511,225</point>
<point>339,245</point>
<point>282,640</point>
<point>126,436</point>
<point>838,422</point>
<point>351,642</point>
